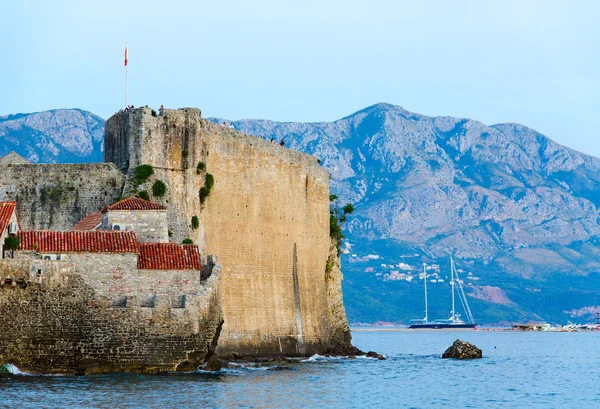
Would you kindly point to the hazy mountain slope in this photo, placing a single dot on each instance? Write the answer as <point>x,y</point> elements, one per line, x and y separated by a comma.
<point>60,135</point>
<point>510,203</point>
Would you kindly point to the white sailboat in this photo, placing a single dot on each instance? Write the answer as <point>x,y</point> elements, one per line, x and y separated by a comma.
<point>454,322</point>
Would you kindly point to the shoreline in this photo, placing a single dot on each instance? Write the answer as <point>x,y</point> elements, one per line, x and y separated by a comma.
<point>479,329</point>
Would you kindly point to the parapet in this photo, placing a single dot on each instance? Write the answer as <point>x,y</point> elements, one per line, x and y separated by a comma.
<point>177,140</point>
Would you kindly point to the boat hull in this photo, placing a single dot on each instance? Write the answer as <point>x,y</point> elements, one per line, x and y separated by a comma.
<point>442,326</point>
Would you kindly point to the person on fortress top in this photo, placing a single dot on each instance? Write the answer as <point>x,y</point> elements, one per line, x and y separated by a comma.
<point>161,110</point>
<point>225,124</point>
<point>282,143</point>
<point>231,125</point>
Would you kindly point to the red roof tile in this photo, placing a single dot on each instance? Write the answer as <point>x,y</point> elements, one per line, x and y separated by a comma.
<point>134,203</point>
<point>6,211</point>
<point>169,256</point>
<point>79,241</point>
<point>89,222</point>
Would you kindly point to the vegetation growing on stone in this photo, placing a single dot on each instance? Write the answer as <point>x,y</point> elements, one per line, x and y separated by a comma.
<point>195,222</point>
<point>336,218</point>
<point>141,174</point>
<point>57,193</point>
<point>144,195</point>
<point>159,188</point>
<point>205,190</point>
<point>201,167</point>
<point>203,194</point>
<point>209,182</point>
<point>184,154</point>
<point>153,113</point>
<point>187,241</point>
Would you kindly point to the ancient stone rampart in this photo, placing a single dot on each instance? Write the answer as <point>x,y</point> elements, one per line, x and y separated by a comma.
<point>95,313</point>
<point>56,197</point>
<point>267,218</point>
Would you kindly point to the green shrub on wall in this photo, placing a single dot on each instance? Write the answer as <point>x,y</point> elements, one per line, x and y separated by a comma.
<point>144,195</point>
<point>159,188</point>
<point>141,174</point>
<point>204,192</point>
<point>336,218</point>
<point>209,182</point>
<point>200,167</point>
<point>195,222</point>
<point>187,241</point>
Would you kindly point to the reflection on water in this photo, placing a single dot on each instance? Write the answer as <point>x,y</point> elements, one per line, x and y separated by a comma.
<point>529,370</point>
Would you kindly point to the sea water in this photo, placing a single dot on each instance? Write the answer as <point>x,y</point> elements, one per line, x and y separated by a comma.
<point>518,370</point>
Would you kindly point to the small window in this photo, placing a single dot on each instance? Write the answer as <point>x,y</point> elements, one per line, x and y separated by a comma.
<point>119,302</point>
<point>178,302</point>
<point>147,301</point>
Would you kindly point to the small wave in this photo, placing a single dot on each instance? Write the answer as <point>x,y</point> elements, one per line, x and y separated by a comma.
<point>248,367</point>
<point>13,369</point>
<point>320,358</point>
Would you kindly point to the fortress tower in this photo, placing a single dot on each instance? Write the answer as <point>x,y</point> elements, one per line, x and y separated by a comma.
<point>266,218</point>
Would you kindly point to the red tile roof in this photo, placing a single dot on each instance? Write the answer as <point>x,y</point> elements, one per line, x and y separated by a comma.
<point>79,241</point>
<point>169,256</point>
<point>134,203</point>
<point>6,211</point>
<point>89,222</point>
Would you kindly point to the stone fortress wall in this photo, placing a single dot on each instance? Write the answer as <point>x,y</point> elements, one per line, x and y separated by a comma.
<point>266,218</point>
<point>98,313</point>
<point>56,197</point>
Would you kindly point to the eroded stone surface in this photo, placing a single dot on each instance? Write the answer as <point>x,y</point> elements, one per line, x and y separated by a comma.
<point>462,350</point>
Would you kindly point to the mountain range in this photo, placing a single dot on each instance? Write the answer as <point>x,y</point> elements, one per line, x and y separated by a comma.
<point>517,211</point>
<point>59,135</point>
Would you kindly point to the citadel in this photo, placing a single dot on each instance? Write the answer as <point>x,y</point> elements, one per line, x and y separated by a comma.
<point>190,241</point>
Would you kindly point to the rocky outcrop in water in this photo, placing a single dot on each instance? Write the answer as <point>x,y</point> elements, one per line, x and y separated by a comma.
<point>462,350</point>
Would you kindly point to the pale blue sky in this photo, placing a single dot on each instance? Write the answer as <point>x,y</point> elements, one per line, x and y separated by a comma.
<point>532,62</point>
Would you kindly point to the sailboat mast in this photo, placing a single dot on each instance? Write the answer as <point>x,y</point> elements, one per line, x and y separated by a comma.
<point>425,281</point>
<point>452,284</point>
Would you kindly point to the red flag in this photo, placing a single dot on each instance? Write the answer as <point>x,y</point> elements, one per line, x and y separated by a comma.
<point>126,55</point>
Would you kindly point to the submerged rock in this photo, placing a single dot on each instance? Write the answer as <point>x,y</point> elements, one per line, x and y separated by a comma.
<point>213,364</point>
<point>5,371</point>
<point>462,350</point>
<point>373,354</point>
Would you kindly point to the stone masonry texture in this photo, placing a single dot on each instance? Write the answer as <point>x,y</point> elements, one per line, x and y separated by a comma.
<point>267,218</point>
<point>96,313</point>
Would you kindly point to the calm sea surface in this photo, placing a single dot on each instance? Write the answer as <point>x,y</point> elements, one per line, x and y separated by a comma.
<point>519,370</point>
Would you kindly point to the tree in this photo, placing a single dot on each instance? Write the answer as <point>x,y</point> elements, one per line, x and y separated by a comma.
<point>338,217</point>
<point>11,243</point>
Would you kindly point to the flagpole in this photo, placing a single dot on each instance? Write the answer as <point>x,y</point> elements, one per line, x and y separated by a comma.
<point>126,75</point>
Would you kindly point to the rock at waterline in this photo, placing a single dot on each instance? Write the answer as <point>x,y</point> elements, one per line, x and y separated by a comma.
<point>462,350</point>
<point>373,354</point>
<point>5,371</point>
